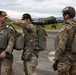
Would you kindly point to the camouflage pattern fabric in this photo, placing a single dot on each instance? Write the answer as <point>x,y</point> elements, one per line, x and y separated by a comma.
<point>29,31</point>
<point>65,66</point>
<point>8,66</point>
<point>8,63</point>
<point>30,66</point>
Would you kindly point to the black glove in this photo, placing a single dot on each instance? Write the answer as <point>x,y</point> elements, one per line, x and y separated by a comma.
<point>55,65</point>
<point>9,56</point>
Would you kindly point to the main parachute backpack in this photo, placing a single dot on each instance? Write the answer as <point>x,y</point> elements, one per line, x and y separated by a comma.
<point>41,39</point>
<point>56,41</point>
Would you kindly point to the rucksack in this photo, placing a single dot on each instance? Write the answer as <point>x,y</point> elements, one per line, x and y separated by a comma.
<point>41,39</point>
<point>71,43</point>
<point>56,41</point>
<point>19,42</point>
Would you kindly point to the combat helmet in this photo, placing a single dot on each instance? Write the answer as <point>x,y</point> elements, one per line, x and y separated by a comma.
<point>69,10</point>
<point>3,13</point>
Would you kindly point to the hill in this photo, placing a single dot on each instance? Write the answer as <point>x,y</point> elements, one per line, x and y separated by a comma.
<point>61,18</point>
<point>58,18</point>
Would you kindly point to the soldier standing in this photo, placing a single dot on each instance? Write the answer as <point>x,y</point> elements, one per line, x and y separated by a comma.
<point>8,50</point>
<point>29,56</point>
<point>64,54</point>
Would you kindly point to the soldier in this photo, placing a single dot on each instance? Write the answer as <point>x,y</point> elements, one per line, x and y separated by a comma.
<point>64,55</point>
<point>29,56</point>
<point>4,54</point>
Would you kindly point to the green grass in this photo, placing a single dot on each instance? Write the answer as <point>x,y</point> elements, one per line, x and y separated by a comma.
<point>59,26</point>
<point>47,27</point>
<point>15,26</point>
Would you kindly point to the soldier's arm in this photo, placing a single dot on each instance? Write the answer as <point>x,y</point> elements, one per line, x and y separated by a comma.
<point>63,38</point>
<point>10,44</point>
<point>20,23</point>
<point>17,21</point>
<point>23,24</point>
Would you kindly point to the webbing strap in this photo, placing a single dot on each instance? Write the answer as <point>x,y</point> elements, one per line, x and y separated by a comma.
<point>69,42</point>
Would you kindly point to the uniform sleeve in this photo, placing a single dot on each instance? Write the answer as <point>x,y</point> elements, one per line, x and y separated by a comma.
<point>10,44</point>
<point>63,38</point>
<point>23,24</point>
<point>30,29</point>
<point>20,23</point>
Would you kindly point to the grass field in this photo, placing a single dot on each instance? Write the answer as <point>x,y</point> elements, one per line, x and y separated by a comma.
<point>47,27</point>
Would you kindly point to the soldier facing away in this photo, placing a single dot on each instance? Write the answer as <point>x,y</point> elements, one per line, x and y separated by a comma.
<point>64,53</point>
<point>29,55</point>
<point>8,50</point>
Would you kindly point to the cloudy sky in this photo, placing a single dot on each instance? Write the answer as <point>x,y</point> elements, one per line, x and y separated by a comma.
<point>37,8</point>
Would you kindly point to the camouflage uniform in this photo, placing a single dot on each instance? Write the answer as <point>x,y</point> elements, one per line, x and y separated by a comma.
<point>29,31</point>
<point>7,63</point>
<point>66,66</point>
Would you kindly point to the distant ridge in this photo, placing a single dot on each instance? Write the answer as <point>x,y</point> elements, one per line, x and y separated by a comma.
<point>61,18</point>
<point>58,18</point>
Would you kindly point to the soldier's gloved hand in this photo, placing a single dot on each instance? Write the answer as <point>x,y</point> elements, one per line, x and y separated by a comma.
<point>8,17</point>
<point>53,62</point>
<point>55,65</point>
<point>3,55</point>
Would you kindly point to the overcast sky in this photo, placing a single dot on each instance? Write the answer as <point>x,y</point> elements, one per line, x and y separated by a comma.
<point>37,8</point>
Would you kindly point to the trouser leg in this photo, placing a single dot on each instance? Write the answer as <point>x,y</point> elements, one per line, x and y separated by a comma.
<point>73,68</point>
<point>64,68</point>
<point>0,65</point>
<point>25,67</point>
<point>8,66</point>
<point>30,66</point>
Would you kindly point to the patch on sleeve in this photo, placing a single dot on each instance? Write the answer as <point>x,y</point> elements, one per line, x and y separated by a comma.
<point>62,29</point>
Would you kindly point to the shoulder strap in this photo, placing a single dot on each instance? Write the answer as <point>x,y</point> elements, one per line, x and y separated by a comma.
<point>9,26</point>
<point>69,43</point>
<point>72,24</point>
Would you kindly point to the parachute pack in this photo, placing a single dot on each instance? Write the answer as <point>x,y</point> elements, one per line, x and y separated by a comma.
<point>4,37</point>
<point>41,39</point>
<point>19,43</point>
<point>71,43</point>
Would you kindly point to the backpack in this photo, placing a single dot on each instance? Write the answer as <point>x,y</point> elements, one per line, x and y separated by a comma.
<point>19,42</point>
<point>56,41</point>
<point>41,39</point>
<point>71,44</point>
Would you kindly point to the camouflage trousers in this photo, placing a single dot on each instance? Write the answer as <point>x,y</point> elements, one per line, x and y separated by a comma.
<point>8,66</point>
<point>30,65</point>
<point>66,68</point>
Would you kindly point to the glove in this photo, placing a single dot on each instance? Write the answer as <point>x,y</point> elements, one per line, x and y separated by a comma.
<point>55,65</point>
<point>9,56</point>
